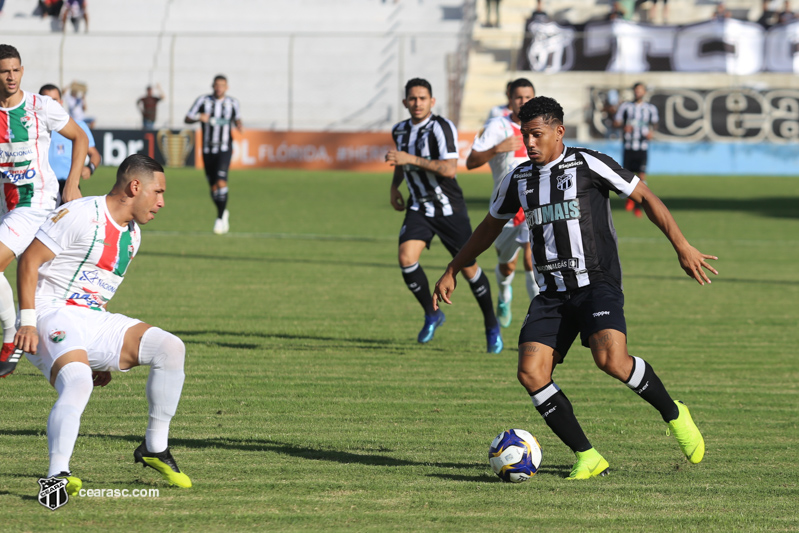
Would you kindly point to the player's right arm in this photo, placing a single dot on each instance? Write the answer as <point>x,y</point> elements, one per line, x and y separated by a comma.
<point>194,114</point>
<point>80,147</point>
<point>27,338</point>
<point>397,201</point>
<point>477,159</point>
<point>484,236</point>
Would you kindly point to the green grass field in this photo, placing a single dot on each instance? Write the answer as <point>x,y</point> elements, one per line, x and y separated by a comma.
<point>308,405</point>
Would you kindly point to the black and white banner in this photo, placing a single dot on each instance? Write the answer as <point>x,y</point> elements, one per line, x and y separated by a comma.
<point>729,114</point>
<point>728,45</point>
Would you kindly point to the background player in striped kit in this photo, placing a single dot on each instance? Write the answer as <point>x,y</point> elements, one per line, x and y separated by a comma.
<point>639,120</point>
<point>218,113</point>
<point>30,187</point>
<point>500,144</point>
<point>67,276</point>
<point>564,193</point>
<point>427,158</point>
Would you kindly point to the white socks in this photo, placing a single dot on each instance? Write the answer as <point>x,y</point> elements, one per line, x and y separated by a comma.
<point>503,285</point>
<point>74,386</point>
<point>532,286</point>
<point>165,353</point>
<point>8,312</point>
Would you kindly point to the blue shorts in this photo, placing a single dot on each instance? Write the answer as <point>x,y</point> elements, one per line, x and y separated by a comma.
<point>555,318</point>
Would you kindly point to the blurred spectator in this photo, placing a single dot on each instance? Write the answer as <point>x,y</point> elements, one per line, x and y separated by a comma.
<point>1,6</point>
<point>539,15</point>
<point>769,17</point>
<point>722,13</point>
<point>786,15</point>
<point>48,7</point>
<point>74,98</point>
<point>489,4</point>
<point>147,107</point>
<point>664,12</point>
<point>74,10</point>
<point>616,12</point>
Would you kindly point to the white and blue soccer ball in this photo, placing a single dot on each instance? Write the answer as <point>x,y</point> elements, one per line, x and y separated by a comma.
<point>515,455</point>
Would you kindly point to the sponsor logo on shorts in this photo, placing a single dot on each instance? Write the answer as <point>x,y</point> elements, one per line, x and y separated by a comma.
<point>601,313</point>
<point>58,335</point>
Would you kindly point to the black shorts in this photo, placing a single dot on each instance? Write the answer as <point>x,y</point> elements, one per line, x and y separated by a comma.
<point>635,160</point>
<point>555,319</point>
<point>216,166</point>
<point>453,230</point>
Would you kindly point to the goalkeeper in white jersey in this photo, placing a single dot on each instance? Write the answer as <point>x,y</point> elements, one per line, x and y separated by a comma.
<point>65,279</point>
<point>500,145</point>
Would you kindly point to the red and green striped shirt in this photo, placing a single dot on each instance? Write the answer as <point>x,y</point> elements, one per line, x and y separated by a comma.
<point>28,180</point>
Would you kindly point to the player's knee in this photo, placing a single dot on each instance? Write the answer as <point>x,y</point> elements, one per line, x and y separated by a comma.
<point>161,349</point>
<point>506,269</point>
<point>613,366</point>
<point>74,384</point>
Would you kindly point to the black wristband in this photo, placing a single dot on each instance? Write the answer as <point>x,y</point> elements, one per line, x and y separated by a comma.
<point>92,168</point>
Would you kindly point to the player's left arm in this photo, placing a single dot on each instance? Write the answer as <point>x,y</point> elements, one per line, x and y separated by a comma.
<point>446,168</point>
<point>80,147</point>
<point>27,338</point>
<point>691,260</point>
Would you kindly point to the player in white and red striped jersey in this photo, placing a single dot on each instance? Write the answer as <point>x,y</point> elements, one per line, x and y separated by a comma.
<point>500,144</point>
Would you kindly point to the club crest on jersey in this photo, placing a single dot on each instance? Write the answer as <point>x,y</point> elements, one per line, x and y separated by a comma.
<point>58,335</point>
<point>26,122</point>
<point>565,182</point>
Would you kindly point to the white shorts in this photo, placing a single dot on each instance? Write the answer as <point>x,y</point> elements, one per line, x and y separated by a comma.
<point>68,328</point>
<point>18,227</point>
<point>510,241</point>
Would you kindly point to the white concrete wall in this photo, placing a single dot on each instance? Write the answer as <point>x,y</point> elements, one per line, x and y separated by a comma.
<point>304,64</point>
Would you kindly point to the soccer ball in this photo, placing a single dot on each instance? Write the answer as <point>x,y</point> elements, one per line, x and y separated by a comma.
<point>515,455</point>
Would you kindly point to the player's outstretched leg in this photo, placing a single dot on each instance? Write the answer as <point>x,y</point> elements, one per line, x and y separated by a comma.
<point>165,354</point>
<point>648,386</point>
<point>416,281</point>
<point>481,290</point>
<point>687,434</point>
<point>504,296</point>
<point>556,409</point>
<point>74,386</point>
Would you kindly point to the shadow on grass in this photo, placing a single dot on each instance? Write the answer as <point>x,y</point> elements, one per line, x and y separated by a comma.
<point>282,448</point>
<point>553,470</point>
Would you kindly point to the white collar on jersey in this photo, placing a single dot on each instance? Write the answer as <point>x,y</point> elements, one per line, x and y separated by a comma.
<point>552,163</point>
<point>422,123</point>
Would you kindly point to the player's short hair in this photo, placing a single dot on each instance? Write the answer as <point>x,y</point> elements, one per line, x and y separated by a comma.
<point>418,82</point>
<point>548,109</point>
<point>9,52</point>
<point>637,84</point>
<point>219,77</point>
<point>521,82</point>
<point>136,165</point>
<point>50,87</point>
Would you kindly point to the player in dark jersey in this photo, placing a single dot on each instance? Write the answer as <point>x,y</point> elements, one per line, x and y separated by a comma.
<point>564,193</point>
<point>639,120</point>
<point>218,113</point>
<point>426,158</point>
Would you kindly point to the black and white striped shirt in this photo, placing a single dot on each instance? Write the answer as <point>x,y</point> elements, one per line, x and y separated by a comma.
<point>568,213</point>
<point>641,116</point>
<point>434,138</point>
<point>223,116</point>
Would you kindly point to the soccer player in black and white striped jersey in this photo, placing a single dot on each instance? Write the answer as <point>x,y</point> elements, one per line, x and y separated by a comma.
<point>426,158</point>
<point>219,114</point>
<point>639,119</point>
<point>564,193</point>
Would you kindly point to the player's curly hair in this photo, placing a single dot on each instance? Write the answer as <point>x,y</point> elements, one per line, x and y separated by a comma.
<point>548,109</point>
<point>9,52</point>
<point>418,82</point>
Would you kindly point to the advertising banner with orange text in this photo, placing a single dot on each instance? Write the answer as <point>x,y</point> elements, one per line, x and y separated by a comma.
<point>362,152</point>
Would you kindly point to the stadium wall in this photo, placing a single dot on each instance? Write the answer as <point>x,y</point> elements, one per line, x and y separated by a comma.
<point>365,152</point>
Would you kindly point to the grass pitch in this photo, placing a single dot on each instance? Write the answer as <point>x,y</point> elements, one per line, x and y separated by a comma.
<point>309,406</point>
